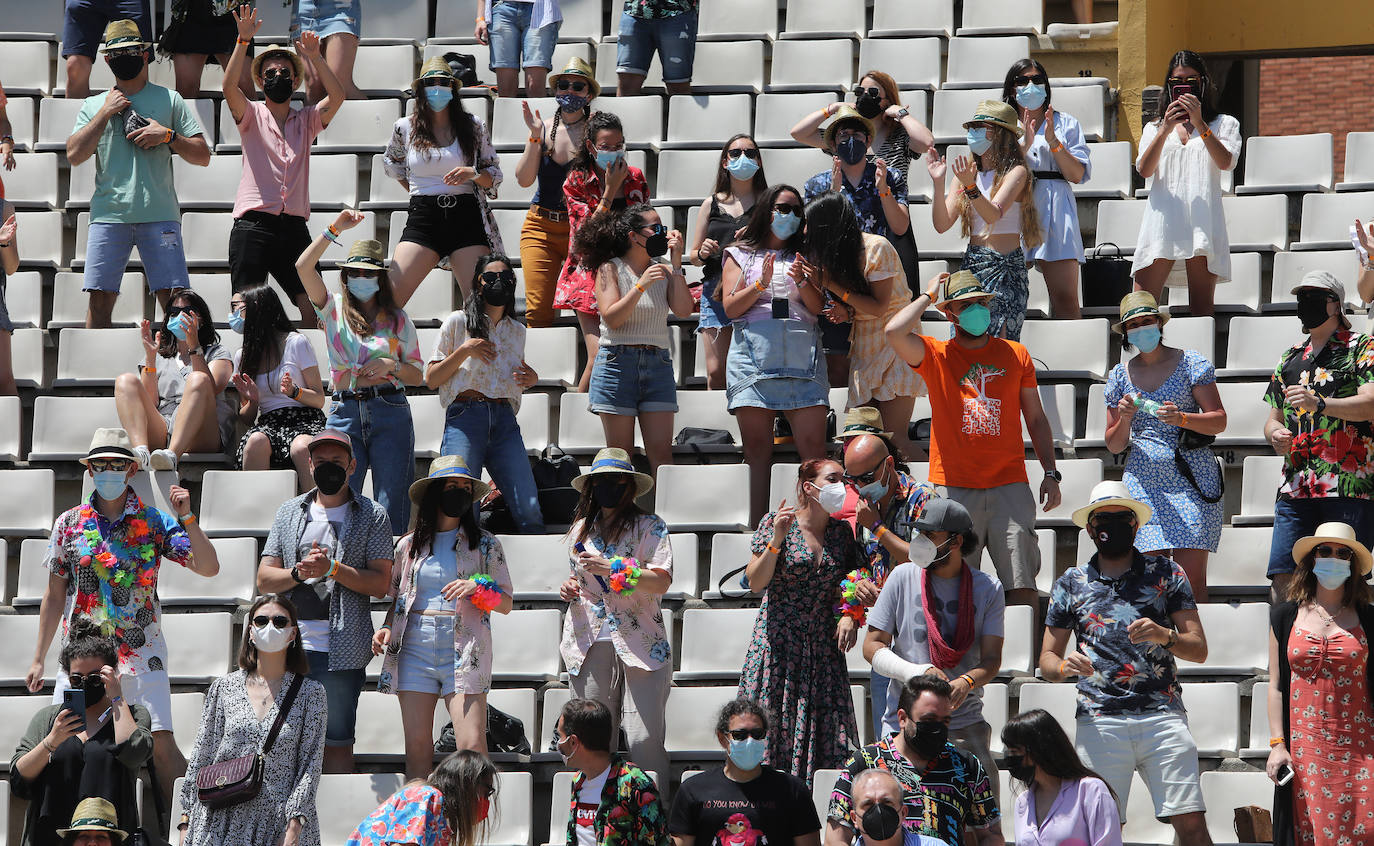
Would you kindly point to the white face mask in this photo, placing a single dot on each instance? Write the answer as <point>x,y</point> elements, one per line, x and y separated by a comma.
<point>830,496</point>
<point>922,551</point>
<point>269,638</point>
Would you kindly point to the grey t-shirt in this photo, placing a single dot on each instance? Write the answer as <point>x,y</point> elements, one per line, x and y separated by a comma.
<point>898,612</point>
<point>171,384</point>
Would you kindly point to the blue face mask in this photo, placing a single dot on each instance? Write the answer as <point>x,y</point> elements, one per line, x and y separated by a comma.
<point>438,98</point>
<point>1331,573</point>
<point>975,319</point>
<point>1145,339</point>
<point>785,225</point>
<point>978,142</point>
<point>236,321</point>
<point>362,287</point>
<point>606,158</point>
<point>110,484</point>
<point>748,753</point>
<point>873,491</point>
<point>1031,96</point>
<point>177,326</point>
<point>571,102</point>
<point>742,167</point>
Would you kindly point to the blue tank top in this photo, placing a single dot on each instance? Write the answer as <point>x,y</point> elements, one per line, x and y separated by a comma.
<point>436,570</point>
<point>548,186</point>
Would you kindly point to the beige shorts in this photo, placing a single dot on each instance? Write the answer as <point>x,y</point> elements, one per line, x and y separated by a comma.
<point>1004,520</point>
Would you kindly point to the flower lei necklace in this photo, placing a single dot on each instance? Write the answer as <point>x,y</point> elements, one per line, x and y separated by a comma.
<point>115,563</point>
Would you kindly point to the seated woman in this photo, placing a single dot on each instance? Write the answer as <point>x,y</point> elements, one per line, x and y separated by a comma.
<point>1063,801</point>
<point>66,757</point>
<point>175,403</point>
<point>277,377</point>
<point>450,807</point>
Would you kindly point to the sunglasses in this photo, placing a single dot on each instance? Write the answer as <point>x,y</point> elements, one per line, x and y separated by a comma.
<point>1344,553</point>
<point>277,73</point>
<point>491,277</point>
<point>279,621</point>
<point>745,734</point>
<point>1109,519</point>
<point>657,229</point>
<point>570,85</point>
<point>237,306</point>
<point>78,680</point>
<point>751,152</point>
<point>619,149</point>
<point>173,311</point>
<point>860,91</point>
<point>787,208</point>
<point>436,83</point>
<point>1185,80</point>
<point>354,273</point>
<point>103,465</point>
<point>867,478</point>
<point>1033,79</point>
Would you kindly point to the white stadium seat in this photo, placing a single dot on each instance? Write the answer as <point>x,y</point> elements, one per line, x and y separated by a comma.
<point>981,62</point>
<point>1068,349</point>
<point>952,107</point>
<point>1254,345</point>
<point>1246,412</point>
<point>912,62</point>
<point>14,666</point>
<point>1118,222</point>
<point>728,66</point>
<point>210,187</point>
<point>776,114</point>
<point>949,244</point>
<point>812,66</point>
<point>24,297</point>
<point>1002,17</point>
<point>1327,218</point>
<point>1019,623</point>
<point>1242,293</point>
<point>333,181</point>
<point>825,19</point>
<point>1259,484</point>
<point>348,799</point>
<point>88,358</point>
<point>552,352</point>
<point>1214,717</point>
<point>1259,722</point>
<point>56,120</point>
<point>1233,647</point>
<point>1223,792</point>
<point>1111,171</point>
<point>199,646</point>
<point>1084,102</point>
<point>525,645</point>
<point>513,810</point>
<point>187,709</point>
<point>1059,699</point>
<point>404,21</point>
<point>912,18</point>
<point>359,126</point>
<point>234,584</point>
<point>69,302</point>
<point>696,120</point>
<point>23,123</point>
<point>26,351</point>
<point>62,426</point>
<point>580,431</point>
<point>714,642</point>
<point>1257,223</point>
<point>1141,825</point>
<point>42,238</point>
<point>33,182</point>
<point>10,414</point>
<point>704,498</point>
<point>384,70</point>
<point>691,721</point>
<point>15,714</point>
<point>29,63</point>
<point>243,502</point>
<point>1189,333</point>
<point>729,551</point>
<point>733,20</point>
<point>1359,162</point>
<point>1287,164</point>
<point>1290,267</point>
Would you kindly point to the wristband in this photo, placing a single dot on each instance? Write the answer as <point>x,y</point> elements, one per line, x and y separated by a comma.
<point>295,391</point>
<point>972,192</point>
<point>330,237</point>
<point>844,296</point>
<point>1182,419</point>
<point>6,138</point>
<point>1063,667</point>
<point>171,133</point>
<point>969,679</point>
<point>1275,741</point>
<point>624,575</point>
<point>488,593</point>
<point>384,627</point>
<point>333,568</point>
<point>480,20</point>
<point>760,287</point>
<point>1058,148</point>
<point>1206,133</point>
<point>535,140</point>
<point>188,520</point>
<point>639,287</point>
<point>878,531</point>
<point>333,230</point>
<point>147,369</point>
<point>773,549</point>
<point>884,194</point>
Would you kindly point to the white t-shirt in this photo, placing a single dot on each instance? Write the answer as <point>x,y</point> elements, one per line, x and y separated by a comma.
<point>588,801</point>
<point>312,598</point>
<point>296,356</point>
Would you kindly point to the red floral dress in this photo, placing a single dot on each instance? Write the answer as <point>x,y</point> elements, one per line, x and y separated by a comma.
<point>1331,730</point>
<point>582,191</point>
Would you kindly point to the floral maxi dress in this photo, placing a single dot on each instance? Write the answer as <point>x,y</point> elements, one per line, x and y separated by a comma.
<point>1331,730</point>
<point>794,668</point>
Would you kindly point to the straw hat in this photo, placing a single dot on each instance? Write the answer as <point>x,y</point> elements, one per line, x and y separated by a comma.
<point>845,114</point>
<point>1111,493</point>
<point>122,34</point>
<point>1135,304</point>
<point>448,467</point>
<point>614,461</point>
<point>297,63</point>
<point>581,70</point>
<point>1340,533</point>
<point>110,443</point>
<point>863,420</point>
<point>962,285</point>
<point>996,113</point>
<point>94,814</point>
<point>435,67</point>
<point>366,254</point>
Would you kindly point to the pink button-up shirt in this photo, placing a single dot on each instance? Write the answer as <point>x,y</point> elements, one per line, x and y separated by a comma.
<point>276,161</point>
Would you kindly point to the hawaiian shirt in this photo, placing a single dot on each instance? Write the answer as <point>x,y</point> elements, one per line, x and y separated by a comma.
<point>863,197</point>
<point>1330,457</point>
<point>1128,678</point>
<point>908,503</point>
<point>634,620</point>
<point>413,814</point>
<point>651,9</point>
<point>111,572</point>
<point>630,813</point>
<point>951,793</point>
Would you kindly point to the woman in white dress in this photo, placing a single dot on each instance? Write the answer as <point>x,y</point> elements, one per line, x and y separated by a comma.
<point>1185,149</point>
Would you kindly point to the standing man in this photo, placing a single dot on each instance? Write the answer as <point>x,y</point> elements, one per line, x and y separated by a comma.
<point>103,559</point>
<point>1134,614</point>
<point>1321,400</point>
<point>133,130</point>
<point>668,27</point>
<point>614,802</point>
<point>273,200</point>
<point>330,550</point>
<point>943,619</point>
<point>83,22</point>
<point>979,387</point>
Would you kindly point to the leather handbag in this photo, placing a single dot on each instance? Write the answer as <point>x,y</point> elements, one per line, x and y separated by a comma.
<point>1254,825</point>
<point>1106,278</point>
<point>227,783</point>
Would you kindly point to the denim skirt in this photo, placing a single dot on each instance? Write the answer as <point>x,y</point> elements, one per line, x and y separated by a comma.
<point>777,365</point>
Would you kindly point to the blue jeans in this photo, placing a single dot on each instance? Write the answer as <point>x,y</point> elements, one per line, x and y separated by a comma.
<point>1295,519</point>
<point>486,434</point>
<point>341,690</point>
<point>384,439</point>
<point>511,36</point>
<point>108,246</point>
<point>674,38</point>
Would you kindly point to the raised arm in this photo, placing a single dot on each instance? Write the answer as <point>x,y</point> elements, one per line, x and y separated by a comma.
<point>808,129</point>
<point>334,95</point>
<point>527,168</point>
<point>246,18</point>
<point>903,330</point>
<point>305,265</point>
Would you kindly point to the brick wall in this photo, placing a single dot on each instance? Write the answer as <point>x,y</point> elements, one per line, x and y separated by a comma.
<point>1323,94</point>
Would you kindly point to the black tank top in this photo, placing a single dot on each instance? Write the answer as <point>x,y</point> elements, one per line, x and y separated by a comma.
<point>548,186</point>
<point>720,227</point>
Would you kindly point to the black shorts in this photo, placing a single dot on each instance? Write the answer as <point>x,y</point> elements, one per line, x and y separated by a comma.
<point>262,243</point>
<point>445,228</point>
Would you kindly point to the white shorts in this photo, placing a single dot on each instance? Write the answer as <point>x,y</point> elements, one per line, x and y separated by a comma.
<point>1158,746</point>
<point>151,690</point>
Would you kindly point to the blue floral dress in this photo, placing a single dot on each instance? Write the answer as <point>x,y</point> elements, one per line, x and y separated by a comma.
<point>1182,520</point>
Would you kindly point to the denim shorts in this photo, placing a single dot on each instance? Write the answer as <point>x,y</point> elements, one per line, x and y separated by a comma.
<point>777,365</point>
<point>675,40</point>
<point>341,689</point>
<point>108,246</point>
<point>512,37</point>
<point>627,380</point>
<point>83,29</point>
<point>425,663</point>
<point>712,314</point>
<point>327,17</point>
<point>1295,519</point>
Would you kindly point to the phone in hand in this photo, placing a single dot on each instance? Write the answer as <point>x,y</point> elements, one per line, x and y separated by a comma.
<point>579,547</point>
<point>1285,775</point>
<point>1179,88</point>
<point>74,700</point>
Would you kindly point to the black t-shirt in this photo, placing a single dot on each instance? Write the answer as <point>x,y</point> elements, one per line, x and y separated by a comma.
<point>768,811</point>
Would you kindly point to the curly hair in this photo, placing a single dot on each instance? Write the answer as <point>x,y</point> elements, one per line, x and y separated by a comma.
<point>606,235</point>
<point>737,707</point>
<point>86,640</point>
<point>599,122</point>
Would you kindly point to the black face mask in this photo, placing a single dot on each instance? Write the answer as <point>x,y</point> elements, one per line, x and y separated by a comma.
<point>656,244</point>
<point>881,822</point>
<point>868,105</point>
<point>126,68</point>
<point>928,738</point>
<point>608,494</point>
<point>1113,537</point>
<point>329,477</point>
<point>278,89</point>
<point>852,150</point>
<point>455,502</point>
<point>1312,310</point>
<point>500,293</point>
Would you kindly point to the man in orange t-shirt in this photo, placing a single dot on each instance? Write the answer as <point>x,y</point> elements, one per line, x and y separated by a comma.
<point>979,388</point>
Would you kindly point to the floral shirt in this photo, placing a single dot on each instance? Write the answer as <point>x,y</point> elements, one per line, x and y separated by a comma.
<point>908,503</point>
<point>1330,457</point>
<point>349,351</point>
<point>952,792</point>
<point>863,197</point>
<point>111,573</point>
<point>493,378</point>
<point>635,620</point>
<point>1128,678</point>
<point>413,814</point>
<point>581,194</point>
<point>652,9</point>
<point>630,813</point>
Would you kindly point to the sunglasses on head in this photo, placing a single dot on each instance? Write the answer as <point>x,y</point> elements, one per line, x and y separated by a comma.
<point>745,734</point>
<point>1033,79</point>
<point>860,91</point>
<point>101,465</point>
<point>1326,550</point>
<point>787,208</point>
<point>751,152</point>
<point>491,277</point>
<point>571,85</point>
<point>279,621</point>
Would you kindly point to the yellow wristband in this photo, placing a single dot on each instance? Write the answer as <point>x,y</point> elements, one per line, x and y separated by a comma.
<point>241,41</point>
<point>1275,741</point>
<point>1206,133</point>
<point>760,287</point>
<point>774,549</point>
<point>1182,419</point>
<point>1063,666</point>
<point>844,296</point>
<point>639,287</point>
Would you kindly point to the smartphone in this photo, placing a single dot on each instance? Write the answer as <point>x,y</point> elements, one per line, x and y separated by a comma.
<point>782,308</point>
<point>74,700</point>
<point>579,547</point>
<point>1178,89</point>
<point>1285,775</point>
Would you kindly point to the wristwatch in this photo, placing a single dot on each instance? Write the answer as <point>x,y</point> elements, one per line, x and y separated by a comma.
<point>903,112</point>
<point>1321,406</point>
<point>296,574</point>
<point>196,351</point>
<point>1055,475</point>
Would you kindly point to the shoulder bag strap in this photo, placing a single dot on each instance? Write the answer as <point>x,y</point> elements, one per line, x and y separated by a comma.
<point>282,712</point>
<point>1186,472</point>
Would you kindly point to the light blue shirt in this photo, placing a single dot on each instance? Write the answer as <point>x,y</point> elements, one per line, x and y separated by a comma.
<point>437,569</point>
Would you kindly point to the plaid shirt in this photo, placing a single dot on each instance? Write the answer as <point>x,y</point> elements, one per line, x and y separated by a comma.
<point>366,536</point>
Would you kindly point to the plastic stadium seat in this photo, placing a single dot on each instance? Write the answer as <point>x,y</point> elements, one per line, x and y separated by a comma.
<point>581,22</point>
<point>642,117</point>
<point>696,120</point>
<point>235,583</point>
<point>606,66</point>
<point>42,238</point>
<point>186,713</point>
<point>1254,344</point>
<point>1225,791</point>
<point>454,20</point>
<point>1080,474</point>
<point>94,358</point>
<point>1189,333</point>
<point>685,176</point>
<point>728,66</point>
<point>33,182</point>
<point>1359,162</point>
<point>350,797</point>
<point>729,551</point>
<point>30,65</point>
<point>26,350</point>
<point>734,20</point>
<point>1259,484</point>
<point>980,62</point>
<point>204,236</point>
<point>1084,102</point>
<point>17,629</point>
<point>1095,429</point>
<point>812,66</point>
<point>1287,164</point>
<point>1290,267</point>
<point>507,127</point>
<point>952,107</point>
<point>1242,293</point>
<point>198,646</point>
<point>62,426</point>
<point>1118,222</point>
<point>1060,699</point>
<point>56,119</point>
<point>525,645</point>
<point>385,192</point>
<point>995,713</point>
<point>15,714</point>
<point>333,182</point>
<point>69,302</point>
<point>243,502</point>
<point>403,21</point>
<point>825,19</point>
<point>543,563</point>
<point>1068,349</point>
<point>706,409</point>
<point>910,18</point>
<point>1232,646</point>
<point>24,297</point>
<point>1327,218</point>
<point>1058,403</point>
<point>793,166</point>
<point>690,719</point>
<point>359,126</point>
<point>1246,412</point>
<point>1111,171</point>
<point>1259,722</point>
<point>1257,223</point>
<point>776,114</point>
<point>1141,825</point>
<point>552,352</point>
<point>23,126</point>
<point>823,784</point>
<point>714,642</point>
<point>10,415</point>
<point>704,498</point>
<point>211,187</point>
<point>384,70</point>
<point>949,244</point>
<point>1002,17</point>
<point>80,185</point>
<point>380,737</point>
<point>912,62</point>
<point>428,415</point>
<point>1214,717</point>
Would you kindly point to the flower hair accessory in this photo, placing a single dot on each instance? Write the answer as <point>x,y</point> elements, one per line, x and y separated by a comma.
<point>488,593</point>
<point>624,575</point>
<point>849,604</point>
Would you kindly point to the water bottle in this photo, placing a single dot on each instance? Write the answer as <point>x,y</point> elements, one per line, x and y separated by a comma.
<point>1146,405</point>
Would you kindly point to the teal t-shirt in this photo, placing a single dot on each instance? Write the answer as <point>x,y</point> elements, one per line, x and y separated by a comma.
<point>134,185</point>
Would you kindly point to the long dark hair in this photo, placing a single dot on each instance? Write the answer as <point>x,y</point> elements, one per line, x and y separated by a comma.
<point>598,122</point>
<point>464,127</point>
<point>607,235</point>
<point>265,329</point>
<point>1189,59</point>
<point>207,334</point>
<point>386,305</point>
<point>86,640</point>
<point>1019,67</point>
<point>760,182</point>
<point>760,226</point>
<point>835,242</point>
<point>475,308</point>
<point>427,521</point>
<point>1047,745</point>
<point>588,512</point>
<point>462,779</point>
<point>295,650</point>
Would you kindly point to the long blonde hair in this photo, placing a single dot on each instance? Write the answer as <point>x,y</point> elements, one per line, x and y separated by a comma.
<point>1004,156</point>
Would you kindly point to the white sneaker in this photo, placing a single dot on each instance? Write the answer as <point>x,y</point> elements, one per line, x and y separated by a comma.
<point>142,456</point>
<point>163,459</point>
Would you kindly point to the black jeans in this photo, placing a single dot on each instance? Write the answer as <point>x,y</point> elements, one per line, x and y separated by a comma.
<point>262,243</point>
